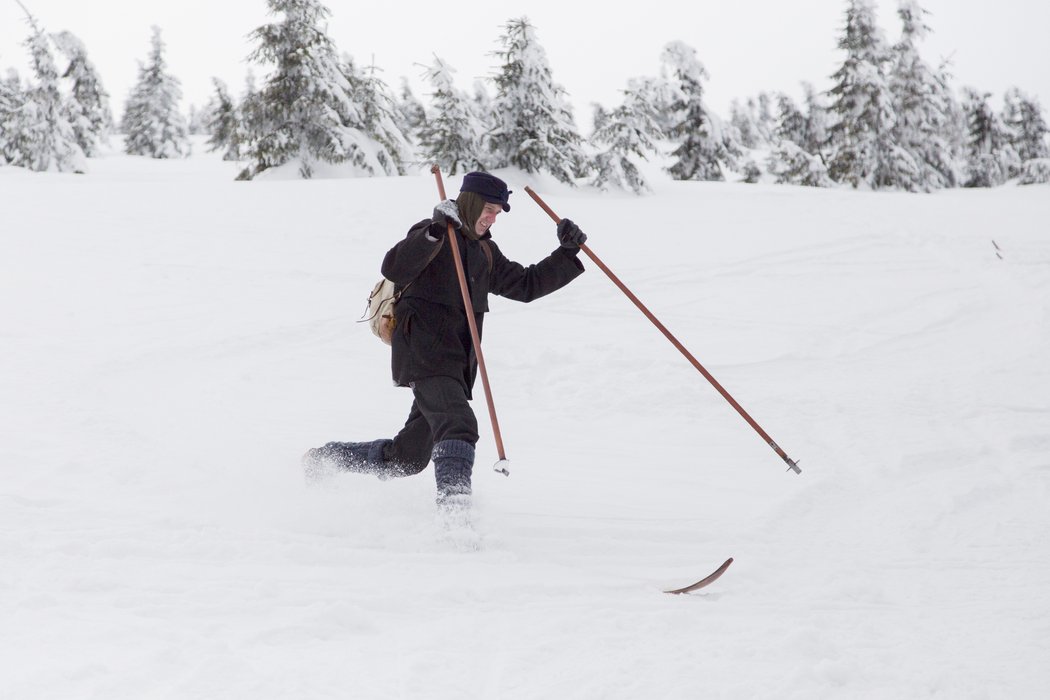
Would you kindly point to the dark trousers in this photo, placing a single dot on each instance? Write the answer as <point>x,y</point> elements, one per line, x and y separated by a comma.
<point>439,412</point>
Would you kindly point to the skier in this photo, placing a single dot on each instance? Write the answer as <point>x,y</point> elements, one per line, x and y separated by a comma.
<point>432,350</point>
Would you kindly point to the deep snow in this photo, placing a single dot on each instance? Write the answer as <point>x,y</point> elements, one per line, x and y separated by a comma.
<point>174,340</point>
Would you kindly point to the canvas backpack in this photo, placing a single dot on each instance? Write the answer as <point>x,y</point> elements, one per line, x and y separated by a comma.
<point>380,310</point>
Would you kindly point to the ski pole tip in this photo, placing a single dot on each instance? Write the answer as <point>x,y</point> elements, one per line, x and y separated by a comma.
<point>502,466</point>
<point>792,465</point>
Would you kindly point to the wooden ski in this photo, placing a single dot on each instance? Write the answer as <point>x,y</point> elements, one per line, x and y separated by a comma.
<point>704,582</point>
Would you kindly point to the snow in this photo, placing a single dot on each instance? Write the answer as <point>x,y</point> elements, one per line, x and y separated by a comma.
<point>174,340</point>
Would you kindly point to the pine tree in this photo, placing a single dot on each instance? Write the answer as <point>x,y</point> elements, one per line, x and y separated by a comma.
<point>629,132</point>
<point>702,147</point>
<point>89,112</point>
<point>1023,116</point>
<point>152,123</point>
<point>534,128</point>
<point>315,108</point>
<point>860,138</point>
<point>11,99</point>
<point>251,121</point>
<point>921,106</point>
<point>815,131</point>
<point>224,125</point>
<point>302,112</point>
<point>1035,171</point>
<point>991,159</point>
<point>38,133</point>
<point>791,165</point>
<point>762,112</point>
<point>411,115</point>
<point>451,136</point>
<point>791,123</point>
<point>377,112</point>
<point>742,120</point>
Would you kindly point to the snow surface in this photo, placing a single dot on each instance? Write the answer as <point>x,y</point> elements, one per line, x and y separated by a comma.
<point>173,341</point>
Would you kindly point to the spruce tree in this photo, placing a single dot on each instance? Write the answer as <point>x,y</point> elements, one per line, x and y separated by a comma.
<point>376,110</point>
<point>991,159</point>
<point>791,123</point>
<point>741,120</point>
<point>765,119</point>
<point>11,99</point>
<point>860,139</point>
<point>451,135</point>
<point>789,164</point>
<point>815,131</point>
<point>224,124</point>
<point>89,112</point>
<point>1023,116</point>
<point>302,112</point>
<point>411,115</point>
<point>534,128</point>
<point>702,147</point>
<point>628,133</point>
<point>921,107</point>
<point>314,107</point>
<point>153,125</point>
<point>38,133</point>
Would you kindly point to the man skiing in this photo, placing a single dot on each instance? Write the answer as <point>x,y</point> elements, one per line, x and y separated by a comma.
<point>432,350</point>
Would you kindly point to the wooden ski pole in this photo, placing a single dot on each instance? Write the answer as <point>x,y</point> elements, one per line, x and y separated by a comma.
<point>503,465</point>
<point>792,464</point>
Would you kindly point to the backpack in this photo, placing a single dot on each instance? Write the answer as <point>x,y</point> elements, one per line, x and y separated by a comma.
<point>380,310</point>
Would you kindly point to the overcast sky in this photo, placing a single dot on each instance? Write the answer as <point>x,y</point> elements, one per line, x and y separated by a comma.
<point>746,45</point>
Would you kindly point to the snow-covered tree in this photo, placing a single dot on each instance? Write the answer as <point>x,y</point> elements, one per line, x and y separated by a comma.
<point>702,148</point>
<point>791,123</point>
<point>377,109</point>
<point>763,112</point>
<point>743,121</point>
<point>411,115</point>
<point>791,165</point>
<point>37,132</point>
<point>815,131</point>
<point>224,126</point>
<point>534,128</point>
<point>250,111</point>
<point>314,107</point>
<point>922,103</point>
<point>1035,171</point>
<point>1023,116</point>
<point>303,111</point>
<point>11,99</point>
<point>627,134</point>
<point>153,125</point>
<point>861,135</point>
<point>991,159</point>
<point>199,117</point>
<point>88,111</point>
<point>451,134</point>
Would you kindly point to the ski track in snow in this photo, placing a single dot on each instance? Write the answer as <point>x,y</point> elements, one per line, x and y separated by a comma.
<point>174,340</point>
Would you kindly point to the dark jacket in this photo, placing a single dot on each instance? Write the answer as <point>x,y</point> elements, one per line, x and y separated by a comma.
<point>432,337</point>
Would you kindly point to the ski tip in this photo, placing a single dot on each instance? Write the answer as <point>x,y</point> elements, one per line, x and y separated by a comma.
<point>704,582</point>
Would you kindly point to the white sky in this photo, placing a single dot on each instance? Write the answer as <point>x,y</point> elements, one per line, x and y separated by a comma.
<point>747,45</point>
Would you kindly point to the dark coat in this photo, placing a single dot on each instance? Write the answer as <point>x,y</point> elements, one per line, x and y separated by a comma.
<point>432,337</point>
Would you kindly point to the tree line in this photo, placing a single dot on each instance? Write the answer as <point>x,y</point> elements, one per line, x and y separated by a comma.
<point>889,121</point>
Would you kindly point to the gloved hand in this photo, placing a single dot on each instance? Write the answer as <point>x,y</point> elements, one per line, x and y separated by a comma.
<point>569,234</point>
<point>447,213</point>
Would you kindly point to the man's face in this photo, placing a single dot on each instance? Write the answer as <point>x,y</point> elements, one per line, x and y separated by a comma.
<point>487,218</point>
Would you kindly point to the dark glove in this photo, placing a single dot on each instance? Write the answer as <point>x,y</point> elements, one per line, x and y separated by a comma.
<point>569,234</point>
<point>447,213</point>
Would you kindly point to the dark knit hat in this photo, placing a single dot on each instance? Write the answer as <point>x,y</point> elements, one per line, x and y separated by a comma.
<point>489,187</point>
